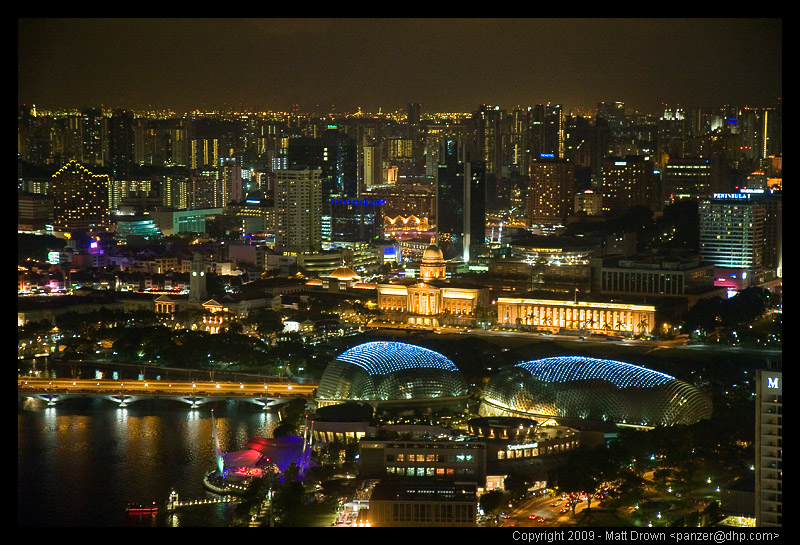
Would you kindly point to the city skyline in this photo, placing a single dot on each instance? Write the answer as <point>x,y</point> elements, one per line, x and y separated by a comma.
<point>344,65</point>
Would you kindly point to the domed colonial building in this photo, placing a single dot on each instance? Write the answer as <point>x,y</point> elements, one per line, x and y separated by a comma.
<point>431,300</point>
<point>584,388</point>
<point>384,372</point>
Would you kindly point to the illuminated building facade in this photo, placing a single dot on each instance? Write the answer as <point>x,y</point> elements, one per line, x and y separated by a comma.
<point>391,372</point>
<point>732,231</point>
<point>551,193</point>
<point>441,459</point>
<point>571,314</point>
<point>593,389</point>
<point>627,181</point>
<point>431,301</point>
<point>80,198</point>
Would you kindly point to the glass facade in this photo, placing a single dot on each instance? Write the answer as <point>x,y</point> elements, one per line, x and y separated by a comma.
<point>385,371</point>
<point>594,389</point>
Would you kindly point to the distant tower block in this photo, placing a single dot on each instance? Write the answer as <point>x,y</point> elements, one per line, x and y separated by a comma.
<point>197,280</point>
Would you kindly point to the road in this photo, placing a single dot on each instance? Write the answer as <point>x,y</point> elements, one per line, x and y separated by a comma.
<point>540,506</point>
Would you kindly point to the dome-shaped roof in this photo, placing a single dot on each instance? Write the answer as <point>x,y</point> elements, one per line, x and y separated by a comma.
<point>344,273</point>
<point>432,254</point>
<point>384,370</point>
<point>594,389</point>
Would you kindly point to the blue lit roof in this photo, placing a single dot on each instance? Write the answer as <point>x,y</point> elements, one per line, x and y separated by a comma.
<point>384,357</point>
<point>570,368</point>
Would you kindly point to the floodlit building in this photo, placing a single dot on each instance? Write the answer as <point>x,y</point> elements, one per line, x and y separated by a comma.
<point>384,372</point>
<point>593,389</point>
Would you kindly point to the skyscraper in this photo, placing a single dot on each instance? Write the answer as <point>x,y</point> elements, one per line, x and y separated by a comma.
<point>298,210</point>
<point>769,448</point>
<point>732,231</point>
<point>474,208</point>
<point>552,191</point>
<point>121,144</point>
<point>627,181</point>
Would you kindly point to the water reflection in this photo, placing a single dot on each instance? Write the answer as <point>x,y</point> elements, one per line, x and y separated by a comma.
<point>82,461</point>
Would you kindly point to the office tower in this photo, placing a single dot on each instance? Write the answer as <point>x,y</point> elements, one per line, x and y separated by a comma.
<point>474,208</point>
<point>490,137</point>
<point>95,140</point>
<point>334,154</point>
<point>769,448</point>
<point>627,181</point>
<point>614,115</point>
<point>450,198</point>
<point>80,198</point>
<point>356,220</point>
<point>121,144</point>
<point>413,115</point>
<point>547,131</point>
<point>519,141</point>
<point>298,210</point>
<point>551,191</point>
<point>732,231</point>
<point>373,166</point>
<point>690,178</point>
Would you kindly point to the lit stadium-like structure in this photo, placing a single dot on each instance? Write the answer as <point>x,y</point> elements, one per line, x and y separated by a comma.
<point>384,372</point>
<point>593,389</point>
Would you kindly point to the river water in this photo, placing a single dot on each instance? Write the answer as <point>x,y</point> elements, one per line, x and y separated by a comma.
<point>81,462</point>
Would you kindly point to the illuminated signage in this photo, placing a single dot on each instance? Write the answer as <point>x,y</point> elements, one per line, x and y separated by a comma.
<point>547,155</point>
<point>526,445</point>
<point>620,163</point>
<point>772,382</point>
<point>731,196</point>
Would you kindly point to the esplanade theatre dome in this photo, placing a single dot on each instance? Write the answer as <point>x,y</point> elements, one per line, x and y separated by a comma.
<point>578,387</point>
<point>391,372</point>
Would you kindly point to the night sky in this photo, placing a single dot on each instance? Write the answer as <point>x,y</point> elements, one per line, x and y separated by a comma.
<point>447,65</point>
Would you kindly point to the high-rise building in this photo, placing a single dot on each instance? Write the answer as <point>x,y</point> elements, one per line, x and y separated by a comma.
<point>203,153</point>
<point>491,138</point>
<point>334,154</point>
<point>551,191</point>
<point>80,198</point>
<point>356,220</point>
<point>547,137</point>
<point>474,208</point>
<point>732,231</point>
<point>298,210</point>
<point>373,166</point>
<point>627,181</point>
<point>689,178</point>
<point>121,144</point>
<point>769,448</point>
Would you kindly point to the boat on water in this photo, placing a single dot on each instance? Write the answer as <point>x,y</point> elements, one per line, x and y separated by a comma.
<point>135,508</point>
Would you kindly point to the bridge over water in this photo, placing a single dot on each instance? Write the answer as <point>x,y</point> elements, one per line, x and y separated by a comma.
<point>193,393</point>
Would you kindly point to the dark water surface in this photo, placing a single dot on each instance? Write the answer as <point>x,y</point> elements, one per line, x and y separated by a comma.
<point>81,462</point>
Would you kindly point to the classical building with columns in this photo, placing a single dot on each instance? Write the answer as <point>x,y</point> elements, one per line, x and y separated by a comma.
<point>431,300</point>
<point>549,312</point>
